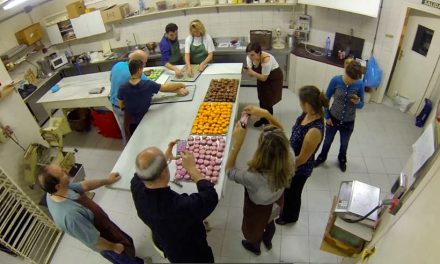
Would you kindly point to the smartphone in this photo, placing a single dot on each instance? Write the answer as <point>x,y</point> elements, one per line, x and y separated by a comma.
<point>244,120</point>
<point>181,146</point>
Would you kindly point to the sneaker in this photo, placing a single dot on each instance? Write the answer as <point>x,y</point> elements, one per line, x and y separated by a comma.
<point>318,162</point>
<point>343,166</point>
<point>252,248</point>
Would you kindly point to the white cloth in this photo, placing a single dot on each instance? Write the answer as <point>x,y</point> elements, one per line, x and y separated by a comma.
<point>267,67</point>
<point>205,39</point>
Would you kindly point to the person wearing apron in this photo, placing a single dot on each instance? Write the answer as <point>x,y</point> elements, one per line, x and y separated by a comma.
<point>264,180</point>
<point>170,49</point>
<point>266,70</point>
<point>77,215</point>
<point>199,47</point>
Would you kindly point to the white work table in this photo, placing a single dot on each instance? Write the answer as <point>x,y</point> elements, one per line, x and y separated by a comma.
<point>166,122</point>
<point>74,93</point>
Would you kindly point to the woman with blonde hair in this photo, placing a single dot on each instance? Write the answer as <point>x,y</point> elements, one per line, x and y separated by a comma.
<point>268,173</point>
<point>199,47</point>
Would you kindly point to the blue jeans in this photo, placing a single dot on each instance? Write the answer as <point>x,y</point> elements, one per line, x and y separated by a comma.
<point>119,114</point>
<point>123,258</point>
<point>345,130</point>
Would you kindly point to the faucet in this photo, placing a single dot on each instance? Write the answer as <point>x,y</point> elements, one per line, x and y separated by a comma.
<point>127,42</point>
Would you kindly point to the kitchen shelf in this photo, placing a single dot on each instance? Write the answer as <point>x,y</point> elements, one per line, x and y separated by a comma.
<point>185,9</point>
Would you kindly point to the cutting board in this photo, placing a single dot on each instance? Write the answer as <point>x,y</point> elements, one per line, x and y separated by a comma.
<point>164,98</point>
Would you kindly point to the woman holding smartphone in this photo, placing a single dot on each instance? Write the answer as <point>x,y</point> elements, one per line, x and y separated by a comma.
<point>266,70</point>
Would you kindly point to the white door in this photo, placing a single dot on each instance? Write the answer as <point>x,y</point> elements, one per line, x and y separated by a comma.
<point>418,58</point>
<point>80,27</point>
<point>95,23</point>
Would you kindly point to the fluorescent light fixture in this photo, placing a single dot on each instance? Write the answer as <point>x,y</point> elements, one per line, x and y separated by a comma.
<point>13,3</point>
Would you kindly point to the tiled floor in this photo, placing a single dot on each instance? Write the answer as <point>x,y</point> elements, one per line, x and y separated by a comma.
<point>379,147</point>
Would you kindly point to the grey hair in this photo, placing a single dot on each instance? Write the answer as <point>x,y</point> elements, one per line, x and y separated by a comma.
<point>152,170</point>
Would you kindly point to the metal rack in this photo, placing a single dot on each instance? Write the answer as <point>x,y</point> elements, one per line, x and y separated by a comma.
<point>24,228</point>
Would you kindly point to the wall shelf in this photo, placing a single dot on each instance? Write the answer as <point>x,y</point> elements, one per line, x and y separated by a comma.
<point>184,10</point>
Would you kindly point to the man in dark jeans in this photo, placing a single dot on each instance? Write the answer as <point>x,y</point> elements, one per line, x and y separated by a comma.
<point>348,95</point>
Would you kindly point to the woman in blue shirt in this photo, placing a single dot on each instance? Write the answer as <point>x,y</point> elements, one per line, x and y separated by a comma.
<point>348,95</point>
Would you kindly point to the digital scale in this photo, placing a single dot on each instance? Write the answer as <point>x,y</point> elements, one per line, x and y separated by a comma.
<point>356,199</point>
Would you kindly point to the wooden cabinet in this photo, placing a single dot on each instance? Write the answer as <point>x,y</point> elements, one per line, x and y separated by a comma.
<point>305,71</point>
<point>88,24</point>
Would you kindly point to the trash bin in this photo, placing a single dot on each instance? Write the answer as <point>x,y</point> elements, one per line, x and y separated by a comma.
<point>79,119</point>
<point>105,123</point>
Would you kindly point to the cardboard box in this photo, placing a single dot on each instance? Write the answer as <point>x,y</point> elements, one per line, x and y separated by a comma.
<point>76,9</point>
<point>30,35</point>
<point>115,13</point>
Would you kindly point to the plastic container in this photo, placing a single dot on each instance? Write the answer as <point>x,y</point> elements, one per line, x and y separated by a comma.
<point>328,51</point>
<point>105,123</point>
<point>79,119</point>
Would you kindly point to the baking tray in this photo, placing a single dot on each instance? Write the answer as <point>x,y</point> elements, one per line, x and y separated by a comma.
<point>205,162</point>
<point>165,98</point>
<point>186,78</point>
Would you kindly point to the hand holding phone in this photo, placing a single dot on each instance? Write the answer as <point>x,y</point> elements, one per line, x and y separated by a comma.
<point>181,147</point>
<point>244,120</point>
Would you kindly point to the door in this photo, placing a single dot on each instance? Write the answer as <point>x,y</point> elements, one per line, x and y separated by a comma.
<point>417,58</point>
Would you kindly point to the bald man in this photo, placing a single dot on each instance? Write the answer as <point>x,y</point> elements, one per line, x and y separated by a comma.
<point>74,213</point>
<point>176,220</point>
<point>120,74</point>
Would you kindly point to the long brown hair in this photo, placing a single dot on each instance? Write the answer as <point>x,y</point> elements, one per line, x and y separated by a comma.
<point>273,158</point>
<point>315,98</point>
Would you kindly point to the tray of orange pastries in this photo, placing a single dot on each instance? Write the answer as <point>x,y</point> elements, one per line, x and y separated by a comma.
<point>212,119</point>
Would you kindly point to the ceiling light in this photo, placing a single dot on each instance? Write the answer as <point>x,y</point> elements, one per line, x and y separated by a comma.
<point>13,3</point>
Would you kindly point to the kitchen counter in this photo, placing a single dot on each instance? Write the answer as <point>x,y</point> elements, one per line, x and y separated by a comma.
<point>154,129</point>
<point>300,51</point>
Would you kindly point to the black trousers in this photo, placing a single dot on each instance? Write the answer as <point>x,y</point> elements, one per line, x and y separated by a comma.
<point>292,197</point>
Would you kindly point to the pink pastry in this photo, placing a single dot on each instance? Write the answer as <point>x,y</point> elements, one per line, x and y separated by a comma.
<point>222,145</point>
<point>215,174</point>
<point>212,163</point>
<point>200,161</point>
<point>196,155</point>
<point>206,163</point>
<point>214,152</point>
<point>208,173</point>
<point>213,158</point>
<point>221,149</point>
<point>190,143</point>
<point>207,152</point>
<point>202,156</point>
<point>178,177</point>
<point>191,148</point>
<point>190,138</point>
<point>202,167</point>
<point>213,147</point>
<point>210,167</point>
<point>219,155</point>
<point>202,151</point>
<point>222,140</point>
<point>179,167</point>
<point>203,142</point>
<point>217,168</point>
<point>187,177</point>
<point>209,142</point>
<point>179,162</point>
<point>183,171</point>
<point>218,161</point>
<point>214,179</point>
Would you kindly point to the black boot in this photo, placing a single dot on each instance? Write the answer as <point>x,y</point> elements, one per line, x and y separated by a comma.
<point>343,166</point>
<point>319,161</point>
<point>268,234</point>
<point>254,248</point>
